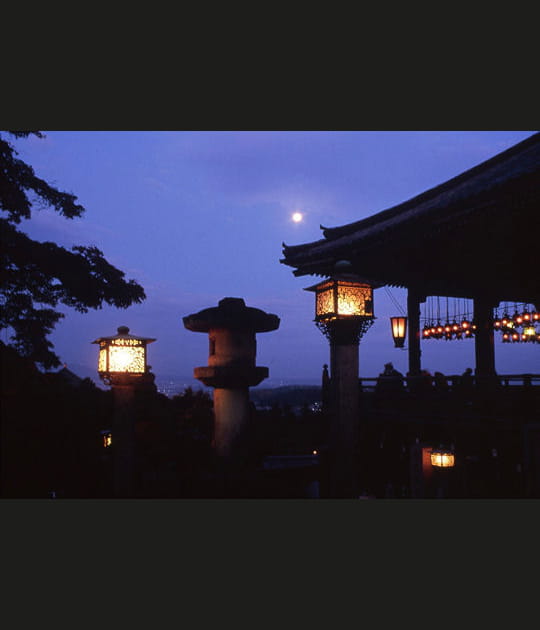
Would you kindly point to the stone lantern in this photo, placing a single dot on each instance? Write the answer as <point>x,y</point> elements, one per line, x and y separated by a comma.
<point>231,369</point>
<point>343,313</point>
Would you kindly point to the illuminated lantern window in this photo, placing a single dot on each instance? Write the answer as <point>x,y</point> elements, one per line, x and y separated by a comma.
<point>122,353</point>
<point>399,330</point>
<point>342,299</point>
<point>107,438</point>
<point>441,458</point>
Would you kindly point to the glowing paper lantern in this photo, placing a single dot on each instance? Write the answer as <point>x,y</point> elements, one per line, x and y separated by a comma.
<point>399,330</point>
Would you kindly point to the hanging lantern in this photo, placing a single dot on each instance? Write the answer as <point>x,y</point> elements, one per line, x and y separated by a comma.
<point>506,337</point>
<point>442,458</point>
<point>399,330</point>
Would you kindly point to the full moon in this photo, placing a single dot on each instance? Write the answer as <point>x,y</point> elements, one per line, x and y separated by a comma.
<point>297,217</point>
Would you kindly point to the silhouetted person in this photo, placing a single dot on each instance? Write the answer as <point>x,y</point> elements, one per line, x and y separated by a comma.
<point>466,382</point>
<point>440,382</point>
<point>326,398</point>
<point>390,381</point>
<point>467,378</point>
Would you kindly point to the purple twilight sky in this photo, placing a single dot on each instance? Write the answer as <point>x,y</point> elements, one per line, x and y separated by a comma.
<point>195,216</point>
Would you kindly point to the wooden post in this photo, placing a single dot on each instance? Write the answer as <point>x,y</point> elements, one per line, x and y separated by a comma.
<point>413,315</point>
<point>123,441</point>
<point>484,340</point>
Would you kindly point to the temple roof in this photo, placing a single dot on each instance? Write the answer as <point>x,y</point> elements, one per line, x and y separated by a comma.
<point>476,233</point>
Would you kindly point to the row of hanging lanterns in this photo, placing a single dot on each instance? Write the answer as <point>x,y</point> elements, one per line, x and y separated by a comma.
<point>519,327</point>
<point>458,326</point>
<point>449,330</point>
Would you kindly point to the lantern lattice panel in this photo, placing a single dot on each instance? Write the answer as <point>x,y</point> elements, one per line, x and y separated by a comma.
<point>354,300</point>
<point>325,300</point>
<point>126,358</point>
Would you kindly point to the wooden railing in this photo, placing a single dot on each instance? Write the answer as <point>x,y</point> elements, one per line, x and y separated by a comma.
<point>453,382</point>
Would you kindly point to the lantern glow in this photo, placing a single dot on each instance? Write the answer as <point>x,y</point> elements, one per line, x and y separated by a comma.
<point>126,359</point>
<point>529,333</point>
<point>122,353</point>
<point>339,298</point>
<point>442,458</point>
<point>399,330</point>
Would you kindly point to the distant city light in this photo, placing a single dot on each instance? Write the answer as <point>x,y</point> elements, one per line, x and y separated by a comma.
<point>297,217</point>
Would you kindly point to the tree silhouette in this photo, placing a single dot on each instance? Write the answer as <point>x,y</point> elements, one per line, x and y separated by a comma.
<point>36,277</point>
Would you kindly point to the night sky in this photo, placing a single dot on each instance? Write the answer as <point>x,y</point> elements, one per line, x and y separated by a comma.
<point>195,216</point>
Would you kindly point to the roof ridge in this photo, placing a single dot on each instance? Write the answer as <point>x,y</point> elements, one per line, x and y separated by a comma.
<point>388,213</point>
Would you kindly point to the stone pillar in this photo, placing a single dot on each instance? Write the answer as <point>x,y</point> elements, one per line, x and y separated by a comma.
<point>344,430</point>
<point>345,425</point>
<point>123,440</point>
<point>232,414</point>
<point>124,389</point>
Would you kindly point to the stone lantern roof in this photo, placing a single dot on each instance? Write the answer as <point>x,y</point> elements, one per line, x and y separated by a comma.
<point>231,314</point>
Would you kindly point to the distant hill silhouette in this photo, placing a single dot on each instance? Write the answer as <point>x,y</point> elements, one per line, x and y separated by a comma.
<point>288,395</point>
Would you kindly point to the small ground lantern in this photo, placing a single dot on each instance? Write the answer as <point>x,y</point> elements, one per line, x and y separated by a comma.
<point>122,355</point>
<point>343,313</point>
<point>106,437</point>
<point>399,330</point>
<point>231,370</point>
<point>442,458</point>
